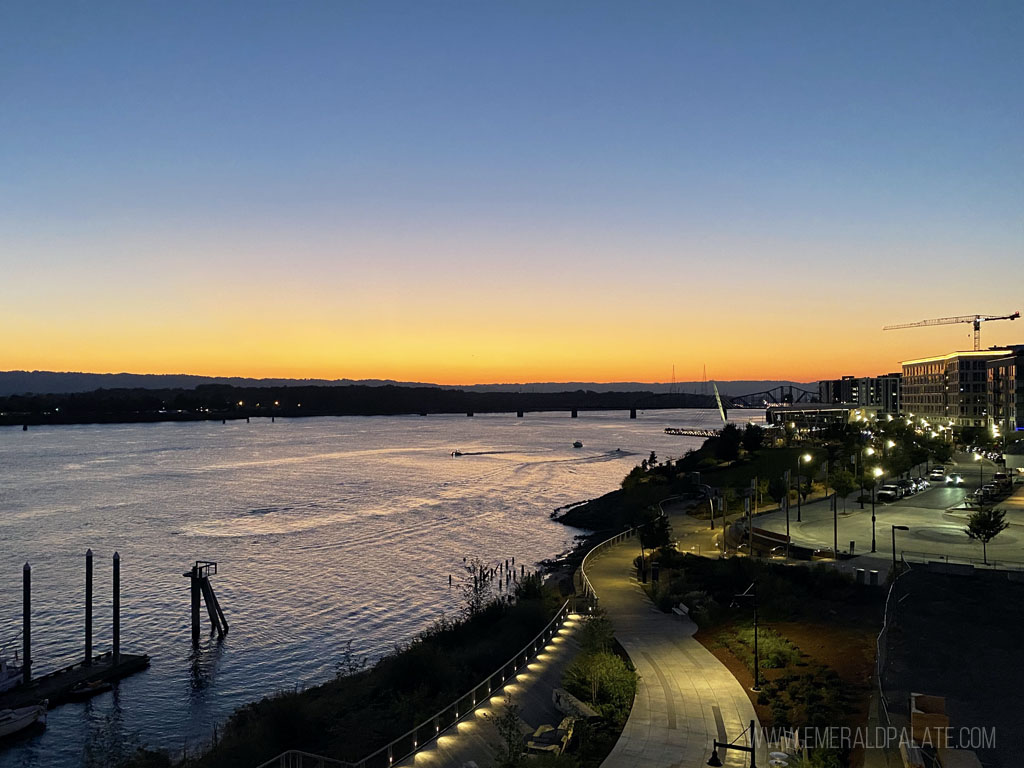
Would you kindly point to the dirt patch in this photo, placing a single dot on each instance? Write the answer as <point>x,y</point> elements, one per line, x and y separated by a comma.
<point>848,651</point>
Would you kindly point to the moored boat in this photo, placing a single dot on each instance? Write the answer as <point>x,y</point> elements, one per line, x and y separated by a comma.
<point>14,720</point>
<point>577,444</point>
<point>10,675</point>
<point>89,688</point>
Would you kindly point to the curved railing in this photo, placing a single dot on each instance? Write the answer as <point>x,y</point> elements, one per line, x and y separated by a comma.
<point>587,587</point>
<point>427,731</point>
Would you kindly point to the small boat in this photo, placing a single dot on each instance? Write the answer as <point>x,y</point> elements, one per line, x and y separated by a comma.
<point>14,720</point>
<point>10,675</point>
<point>456,453</point>
<point>88,688</point>
<point>577,444</point>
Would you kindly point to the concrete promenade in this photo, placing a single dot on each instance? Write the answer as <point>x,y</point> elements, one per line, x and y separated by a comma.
<point>685,696</point>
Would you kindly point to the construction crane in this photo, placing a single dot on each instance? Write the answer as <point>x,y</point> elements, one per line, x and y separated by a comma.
<point>976,319</point>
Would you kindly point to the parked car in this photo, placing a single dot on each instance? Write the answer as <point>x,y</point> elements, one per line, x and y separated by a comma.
<point>907,486</point>
<point>779,552</point>
<point>922,483</point>
<point>1002,479</point>
<point>825,553</point>
<point>888,493</point>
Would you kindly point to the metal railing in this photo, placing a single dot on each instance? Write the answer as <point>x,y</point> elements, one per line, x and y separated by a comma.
<point>587,587</point>
<point>295,758</point>
<point>427,731</point>
<point>994,564</point>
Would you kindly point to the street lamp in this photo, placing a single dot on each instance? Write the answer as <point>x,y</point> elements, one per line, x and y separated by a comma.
<point>894,529</point>
<point>981,469</point>
<point>869,451</point>
<point>716,762</point>
<point>877,472</point>
<point>806,458</point>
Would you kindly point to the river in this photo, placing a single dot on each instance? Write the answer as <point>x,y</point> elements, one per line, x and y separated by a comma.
<point>325,531</point>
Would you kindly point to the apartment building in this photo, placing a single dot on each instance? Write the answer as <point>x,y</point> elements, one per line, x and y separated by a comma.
<point>950,389</point>
<point>1005,392</point>
<point>883,393</point>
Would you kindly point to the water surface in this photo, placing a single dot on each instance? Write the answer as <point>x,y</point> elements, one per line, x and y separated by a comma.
<point>325,530</point>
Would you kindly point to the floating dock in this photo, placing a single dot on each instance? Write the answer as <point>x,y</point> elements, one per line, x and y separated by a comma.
<point>56,686</point>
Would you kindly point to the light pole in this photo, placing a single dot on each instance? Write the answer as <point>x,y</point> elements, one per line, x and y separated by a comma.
<point>894,529</point>
<point>716,762</point>
<point>981,469</point>
<point>870,452</point>
<point>877,472</point>
<point>751,592</point>
<point>807,459</point>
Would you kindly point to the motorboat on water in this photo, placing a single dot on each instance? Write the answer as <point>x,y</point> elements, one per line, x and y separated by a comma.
<point>456,452</point>
<point>577,444</point>
<point>14,720</point>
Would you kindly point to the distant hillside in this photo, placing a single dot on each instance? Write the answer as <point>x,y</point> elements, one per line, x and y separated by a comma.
<point>56,382</point>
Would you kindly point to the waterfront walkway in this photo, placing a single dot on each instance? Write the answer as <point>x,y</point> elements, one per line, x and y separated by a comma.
<point>685,697</point>
<point>475,740</point>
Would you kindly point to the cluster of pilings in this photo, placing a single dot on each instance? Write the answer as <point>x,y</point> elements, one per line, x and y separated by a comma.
<point>503,574</point>
<point>26,592</point>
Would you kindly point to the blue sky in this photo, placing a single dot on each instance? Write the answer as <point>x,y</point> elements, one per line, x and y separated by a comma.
<point>557,139</point>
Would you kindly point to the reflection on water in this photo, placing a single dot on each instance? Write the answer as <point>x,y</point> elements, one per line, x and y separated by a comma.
<point>324,530</point>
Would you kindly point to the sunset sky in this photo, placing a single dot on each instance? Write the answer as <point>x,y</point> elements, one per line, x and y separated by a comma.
<point>465,192</point>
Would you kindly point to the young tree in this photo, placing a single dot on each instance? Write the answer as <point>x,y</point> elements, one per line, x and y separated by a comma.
<point>727,448</point>
<point>510,750</point>
<point>843,482</point>
<point>597,633</point>
<point>984,525</point>
<point>657,533</point>
<point>753,437</point>
<point>476,588</point>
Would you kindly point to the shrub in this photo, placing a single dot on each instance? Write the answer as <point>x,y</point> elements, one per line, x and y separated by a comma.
<point>605,681</point>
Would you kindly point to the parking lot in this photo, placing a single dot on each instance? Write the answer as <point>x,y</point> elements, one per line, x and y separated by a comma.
<point>935,518</point>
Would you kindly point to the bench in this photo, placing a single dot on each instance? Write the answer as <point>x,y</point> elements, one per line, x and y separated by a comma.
<point>680,610</point>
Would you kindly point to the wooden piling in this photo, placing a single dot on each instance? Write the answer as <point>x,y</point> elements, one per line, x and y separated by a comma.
<point>199,585</point>
<point>88,608</point>
<point>194,584</point>
<point>26,623</point>
<point>632,413</point>
<point>117,609</point>
<point>575,413</point>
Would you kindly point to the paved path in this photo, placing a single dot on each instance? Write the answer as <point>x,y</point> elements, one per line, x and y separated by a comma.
<point>685,696</point>
<point>475,739</point>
